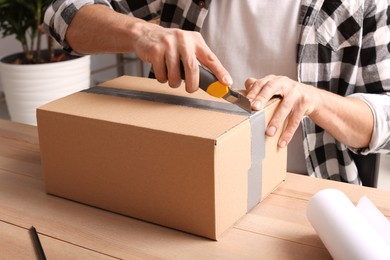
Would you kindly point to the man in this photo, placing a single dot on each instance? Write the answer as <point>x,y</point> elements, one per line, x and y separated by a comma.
<point>318,47</point>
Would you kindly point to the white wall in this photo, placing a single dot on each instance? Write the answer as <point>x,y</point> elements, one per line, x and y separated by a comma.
<point>9,45</point>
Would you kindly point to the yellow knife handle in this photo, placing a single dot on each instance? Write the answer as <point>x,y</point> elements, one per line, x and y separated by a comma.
<point>209,83</point>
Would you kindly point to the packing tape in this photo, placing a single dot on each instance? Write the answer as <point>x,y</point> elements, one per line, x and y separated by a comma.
<point>255,175</point>
<point>169,99</point>
<point>256,119</point>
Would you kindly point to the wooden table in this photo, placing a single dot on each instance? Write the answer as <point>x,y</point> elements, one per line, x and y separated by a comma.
<point>275,229</point>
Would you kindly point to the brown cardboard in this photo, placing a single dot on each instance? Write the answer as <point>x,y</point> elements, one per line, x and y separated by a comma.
<point>177,166</point>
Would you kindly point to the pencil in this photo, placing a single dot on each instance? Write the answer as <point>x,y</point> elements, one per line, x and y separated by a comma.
<point>37,244</point>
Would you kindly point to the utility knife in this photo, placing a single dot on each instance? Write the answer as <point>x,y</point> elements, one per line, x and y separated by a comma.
<point>209,83</point>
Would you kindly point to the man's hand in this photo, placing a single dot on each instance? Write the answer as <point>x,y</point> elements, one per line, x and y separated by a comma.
<point>164,48</point>
<point>98,29</point>
<point>298,101</point>
<point>349,120</point>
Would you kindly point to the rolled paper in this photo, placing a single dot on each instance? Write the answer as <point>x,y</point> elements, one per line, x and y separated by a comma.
<point>380,223</point>
<point>345,232</point>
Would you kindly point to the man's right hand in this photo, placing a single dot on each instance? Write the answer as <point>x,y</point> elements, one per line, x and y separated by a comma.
<point>98,29</point>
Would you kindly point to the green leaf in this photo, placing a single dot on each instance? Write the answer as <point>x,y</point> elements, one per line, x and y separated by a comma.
<point>21,18</point>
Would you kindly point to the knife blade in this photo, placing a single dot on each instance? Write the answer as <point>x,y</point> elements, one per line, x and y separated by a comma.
<point>209,83</point>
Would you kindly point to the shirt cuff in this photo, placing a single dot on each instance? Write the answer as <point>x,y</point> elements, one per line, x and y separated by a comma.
<point>380,107</point>
<point>59,16</point>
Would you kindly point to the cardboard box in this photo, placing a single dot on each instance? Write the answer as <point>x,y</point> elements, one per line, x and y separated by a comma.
<point>187,166</point>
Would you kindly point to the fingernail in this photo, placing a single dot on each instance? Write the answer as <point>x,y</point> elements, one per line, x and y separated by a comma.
<point>282,144</point>
<point>256,105</point>
<point>228,80</point>
<point>271,131</point>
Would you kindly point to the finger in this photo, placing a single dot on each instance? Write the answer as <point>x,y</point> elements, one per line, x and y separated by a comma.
<point>256,105</point>
<point>156,57</point>
<point>293,122</point>
<point>256,93</point>
<point>299,110</point>
<point>248,84</point>
<point>252,92</point>
<point>172,58</point>
<point>189,61</point>
<point>208,59</point>
<point>191,72</point>
<point>281,113</point>
<point>173,66</point>
<point>255,86</point>
<point>160,71</point>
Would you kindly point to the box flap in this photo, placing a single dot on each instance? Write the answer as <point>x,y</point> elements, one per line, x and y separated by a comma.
<point>154,115</point>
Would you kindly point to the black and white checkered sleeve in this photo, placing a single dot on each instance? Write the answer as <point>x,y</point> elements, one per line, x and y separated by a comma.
<point>59,15</point>
<point>374,77</point>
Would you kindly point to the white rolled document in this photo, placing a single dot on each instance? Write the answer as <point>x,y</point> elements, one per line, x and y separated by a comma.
<point>349,232</point>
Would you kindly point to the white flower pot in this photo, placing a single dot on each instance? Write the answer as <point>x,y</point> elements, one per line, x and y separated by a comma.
<point>27,87</point>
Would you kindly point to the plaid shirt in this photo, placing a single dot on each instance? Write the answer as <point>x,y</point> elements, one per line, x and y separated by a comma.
<point>343,47</point>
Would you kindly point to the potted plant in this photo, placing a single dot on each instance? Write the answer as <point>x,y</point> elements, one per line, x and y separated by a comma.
<point>34,76</point>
